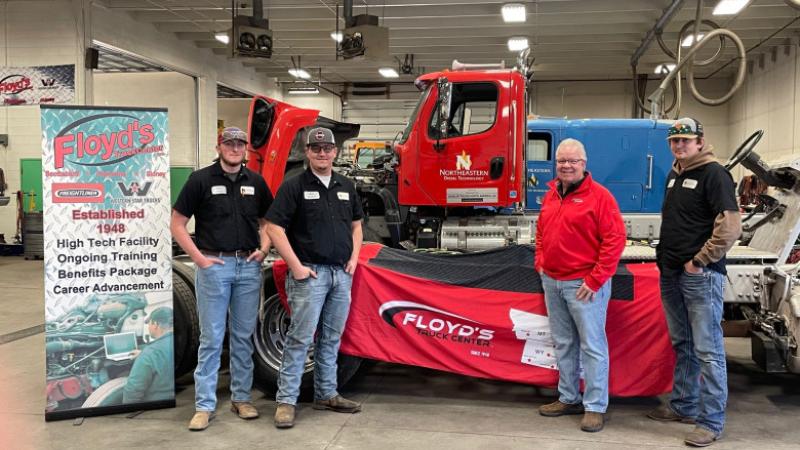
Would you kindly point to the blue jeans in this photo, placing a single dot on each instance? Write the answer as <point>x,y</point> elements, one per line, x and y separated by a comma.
<point>226,293</point>
<point>579,332</point>
<point>319,306</point>
<point>693,307</point>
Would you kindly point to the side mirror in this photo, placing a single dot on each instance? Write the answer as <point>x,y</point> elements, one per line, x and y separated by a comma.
<point>445,97</point>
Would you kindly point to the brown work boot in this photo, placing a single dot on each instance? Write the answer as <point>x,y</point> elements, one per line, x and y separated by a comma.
<point>592,421</point>
<point>338,404</point>
<point>200,420</point>
<point>284,416</point>
<point>557,408</point>
<point>665,414</point>
<point>700,437</point>
<point>244,410</point>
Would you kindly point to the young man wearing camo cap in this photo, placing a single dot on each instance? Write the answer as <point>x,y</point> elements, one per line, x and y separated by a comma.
<point>315,225</point>
<point>700,222</point>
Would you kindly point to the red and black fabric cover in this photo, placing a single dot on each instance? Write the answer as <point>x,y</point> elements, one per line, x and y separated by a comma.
<point>483,314</point>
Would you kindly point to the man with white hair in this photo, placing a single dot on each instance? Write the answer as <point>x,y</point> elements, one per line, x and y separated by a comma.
<point>580,236</point>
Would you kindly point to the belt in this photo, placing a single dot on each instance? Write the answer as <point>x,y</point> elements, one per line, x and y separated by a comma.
<point>236,253</point>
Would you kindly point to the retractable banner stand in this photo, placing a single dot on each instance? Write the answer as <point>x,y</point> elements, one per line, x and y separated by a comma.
<point>107,253</point>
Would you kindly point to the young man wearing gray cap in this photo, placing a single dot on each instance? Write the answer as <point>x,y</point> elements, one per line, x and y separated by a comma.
<point>152,376</point>
<point>700,222</point>
<point>315,224</point>
<point>229,203</point>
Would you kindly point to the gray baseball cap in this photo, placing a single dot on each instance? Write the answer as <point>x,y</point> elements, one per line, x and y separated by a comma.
<point>233,134</point>
<point>320,135</point>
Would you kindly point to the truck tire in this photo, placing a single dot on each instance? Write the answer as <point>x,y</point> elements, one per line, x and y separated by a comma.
<point>271,327</point>
<point>186,319</point>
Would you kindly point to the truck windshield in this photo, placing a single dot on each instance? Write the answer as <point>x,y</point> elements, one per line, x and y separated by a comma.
<point>413,118</point>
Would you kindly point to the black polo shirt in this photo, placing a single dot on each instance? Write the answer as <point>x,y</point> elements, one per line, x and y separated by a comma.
<point>318,219</point>
<point>692,202</point>
<point>226,212</point>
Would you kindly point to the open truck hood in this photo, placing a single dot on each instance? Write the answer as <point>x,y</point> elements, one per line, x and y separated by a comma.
<point>277,135</point>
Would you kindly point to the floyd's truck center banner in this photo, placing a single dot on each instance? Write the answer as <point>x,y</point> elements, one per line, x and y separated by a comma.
<point>37,85</point>
<point>483,315</point>
<point>107,253</point>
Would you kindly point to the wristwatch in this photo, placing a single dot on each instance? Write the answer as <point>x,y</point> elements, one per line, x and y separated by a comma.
<point>697,263</point>
<point>262,251</point>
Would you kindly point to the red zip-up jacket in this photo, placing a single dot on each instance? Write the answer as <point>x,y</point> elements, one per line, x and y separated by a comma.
<point>581,235</point>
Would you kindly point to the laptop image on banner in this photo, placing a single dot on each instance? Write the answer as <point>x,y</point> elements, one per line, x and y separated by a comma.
<point>119,346</point>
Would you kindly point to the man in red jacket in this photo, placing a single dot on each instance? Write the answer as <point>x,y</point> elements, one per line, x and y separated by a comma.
<point>580,236</point>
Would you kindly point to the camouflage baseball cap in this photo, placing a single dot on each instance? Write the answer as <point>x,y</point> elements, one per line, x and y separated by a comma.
<point>233,134</point>
<point>320,135</point>
<point>685,128</point>
<point>161,315</point>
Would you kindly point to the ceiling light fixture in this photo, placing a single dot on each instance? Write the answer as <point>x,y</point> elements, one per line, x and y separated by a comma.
<point>517,44</point>
<point>303,90</point>
<point>513,12</point>
<point>388,72</point>
<point>300,73</point>
<point>729,7</point>
<point>223,37</point>
<point>661,67</point>
<point>337,36</point>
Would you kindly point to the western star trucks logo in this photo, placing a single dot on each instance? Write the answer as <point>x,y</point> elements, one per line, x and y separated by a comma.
<point>78,192</point>
<point>435,323</point>
<point>104,148</point>
<point>135,188</point>
<point>463,170</point>
<point>134,192</point>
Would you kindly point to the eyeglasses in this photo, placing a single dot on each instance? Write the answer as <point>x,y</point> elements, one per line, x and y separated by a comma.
<point>572,162</point>
<point>319,148</point>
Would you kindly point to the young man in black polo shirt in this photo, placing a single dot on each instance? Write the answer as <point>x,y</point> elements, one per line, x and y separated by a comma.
<point>229,203</point>
<point>315,224</point>
<point>700,222</point>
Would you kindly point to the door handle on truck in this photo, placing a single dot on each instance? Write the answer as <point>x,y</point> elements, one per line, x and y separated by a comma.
<point>649,172</point>
<point>496,167</point>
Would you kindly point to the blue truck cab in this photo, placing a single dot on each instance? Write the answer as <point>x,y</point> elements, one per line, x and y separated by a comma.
<point>630,157</point>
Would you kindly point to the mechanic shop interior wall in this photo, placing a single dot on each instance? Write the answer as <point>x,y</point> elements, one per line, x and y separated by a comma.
<point>769,101</point>
<point>35,33</point>
<point>30,38</point>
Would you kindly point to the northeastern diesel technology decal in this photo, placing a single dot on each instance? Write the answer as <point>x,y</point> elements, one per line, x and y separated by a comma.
<point>435,323</point>
<point>464,170</point>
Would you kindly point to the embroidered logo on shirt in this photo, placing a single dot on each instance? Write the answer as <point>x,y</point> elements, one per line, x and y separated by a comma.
<point>671,183</point>
<point>219,190</point>
<point>577,200</point>
<point>689,183</point>
<point>311,195</point>
<point>248,190</point>
<point>343,195</point>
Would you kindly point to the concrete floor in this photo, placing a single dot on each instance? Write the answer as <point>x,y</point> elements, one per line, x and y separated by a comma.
<point>404,407</point>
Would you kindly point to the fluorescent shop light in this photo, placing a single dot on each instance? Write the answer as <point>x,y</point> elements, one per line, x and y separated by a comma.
<point>517,44</point>
<point>513,12</point>
<point>729,7</point>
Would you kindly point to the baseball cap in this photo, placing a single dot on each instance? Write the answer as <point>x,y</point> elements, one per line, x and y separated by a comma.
<point>320,135</point>
<point>233,134</point>
<point>161,315</point>
<point>685,128</point>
